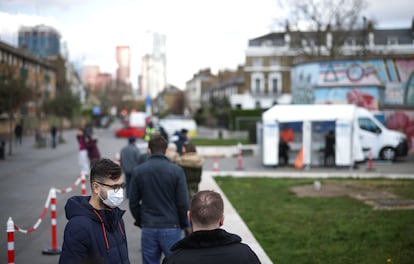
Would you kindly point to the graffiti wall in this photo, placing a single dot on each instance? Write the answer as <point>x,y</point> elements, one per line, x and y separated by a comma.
<point>375,84</point>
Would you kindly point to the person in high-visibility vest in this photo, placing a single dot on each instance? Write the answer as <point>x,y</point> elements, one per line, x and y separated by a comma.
<point>149,131</point>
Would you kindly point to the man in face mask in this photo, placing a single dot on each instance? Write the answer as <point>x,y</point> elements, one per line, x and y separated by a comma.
<point>95,232</point>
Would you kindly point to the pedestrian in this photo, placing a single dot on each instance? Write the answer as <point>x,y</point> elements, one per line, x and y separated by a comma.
<point>130,158</point>
<point>149,131</point>
<point>329,151</point>
<point>53,132</point>
<point>192,164</point>
<point>163,133</point>
<point>95,231</point>
<point>18,132</point>
<point>171,152</point>
<point>283,152</point>
<point>158,201</point>
<point>83,159</point>
<point>208,243</point>
<point>182,137</point>
<point>92,149</point>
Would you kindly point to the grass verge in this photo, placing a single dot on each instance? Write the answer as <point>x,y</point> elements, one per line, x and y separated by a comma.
<point>323,230</point>
<point>218,142</point>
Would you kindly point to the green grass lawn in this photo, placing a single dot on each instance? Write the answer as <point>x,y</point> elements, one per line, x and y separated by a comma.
<point>323,230</point>
<point>218,142</point>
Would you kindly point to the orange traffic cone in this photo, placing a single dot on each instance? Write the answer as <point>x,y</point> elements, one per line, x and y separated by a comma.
<point>299,160</point>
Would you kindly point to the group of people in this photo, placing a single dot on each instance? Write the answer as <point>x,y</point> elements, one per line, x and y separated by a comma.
<point>163,205</point>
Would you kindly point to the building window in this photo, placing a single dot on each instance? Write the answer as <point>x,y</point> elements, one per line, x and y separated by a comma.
<point>257,61</point>
<point>392,41</point>
<point>350,42</point>
<point>257,82</point>
<point>275,83</point>
<point>274,62</point>
<point>257,85</point>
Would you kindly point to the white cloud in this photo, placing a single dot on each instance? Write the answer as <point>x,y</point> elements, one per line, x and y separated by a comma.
<point>199,34</point>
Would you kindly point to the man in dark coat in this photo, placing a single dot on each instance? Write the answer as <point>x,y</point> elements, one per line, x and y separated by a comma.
<point>209,243</point>
<point>158,200</point>
<point>95,232</point>
<point>130,158</point>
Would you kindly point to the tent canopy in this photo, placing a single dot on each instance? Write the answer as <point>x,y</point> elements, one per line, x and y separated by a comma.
<point>310,112</point>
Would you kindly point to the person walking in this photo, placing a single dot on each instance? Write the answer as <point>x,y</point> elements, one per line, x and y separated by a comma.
<point>92,148</point>
<point>53,132</point>
<point>95,231</point>
<point>192,164</point>
<point>130,158</point>
<point>208,243</point>
<point>329,151</point>
<point>172,153</point>
<point>83,159</point>
<point>18,132</point>
<point>182,137</point>
<point>158,200</point>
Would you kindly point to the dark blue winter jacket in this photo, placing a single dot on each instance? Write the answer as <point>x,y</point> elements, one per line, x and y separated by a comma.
<point>158,196</point>
<point>93,236</point>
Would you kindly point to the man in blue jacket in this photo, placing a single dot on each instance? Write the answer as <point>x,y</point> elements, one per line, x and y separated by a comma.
<point>158,200</point>
<point>95,232</point>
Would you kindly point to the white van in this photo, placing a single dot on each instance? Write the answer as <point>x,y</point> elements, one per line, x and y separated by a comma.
<point>358,134</point>
<point>385,144</point>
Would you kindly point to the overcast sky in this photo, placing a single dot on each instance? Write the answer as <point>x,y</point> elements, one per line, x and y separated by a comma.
<point>200,34</point>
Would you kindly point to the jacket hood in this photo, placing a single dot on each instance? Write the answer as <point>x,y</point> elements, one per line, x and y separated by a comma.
<point>206,239</point>
<point>191,159</point>
<point>80,206</point>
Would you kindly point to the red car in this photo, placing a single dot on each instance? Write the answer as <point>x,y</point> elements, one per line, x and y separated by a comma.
<point>126,132</point>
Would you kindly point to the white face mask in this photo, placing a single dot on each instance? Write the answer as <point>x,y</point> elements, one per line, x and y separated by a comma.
<point>113,199</point>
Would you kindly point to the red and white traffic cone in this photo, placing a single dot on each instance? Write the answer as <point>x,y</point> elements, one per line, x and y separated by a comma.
<point>83,184</point>
<point>118,158</point>
<point>239,157</point>
<point>10,241</point>
<point>54,250</point>
<point>215,165</point>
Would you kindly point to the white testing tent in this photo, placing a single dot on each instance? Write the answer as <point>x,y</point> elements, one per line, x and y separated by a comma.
<point>347,143</point>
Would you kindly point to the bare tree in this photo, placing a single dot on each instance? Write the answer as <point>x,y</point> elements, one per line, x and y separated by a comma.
<point>311,20</point>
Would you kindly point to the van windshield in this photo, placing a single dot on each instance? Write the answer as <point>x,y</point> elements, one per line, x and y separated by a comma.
<point>368,125</point>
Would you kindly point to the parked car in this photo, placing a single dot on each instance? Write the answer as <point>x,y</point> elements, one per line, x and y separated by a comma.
<point>137,132</point>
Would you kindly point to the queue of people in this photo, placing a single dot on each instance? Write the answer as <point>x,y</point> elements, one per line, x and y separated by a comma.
<point>159,186</point>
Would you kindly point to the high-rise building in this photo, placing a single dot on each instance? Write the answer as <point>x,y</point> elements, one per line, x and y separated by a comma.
<point>123,58</point>
<point>39,40</point>
<point>153,66</point>
<point>90,75</point>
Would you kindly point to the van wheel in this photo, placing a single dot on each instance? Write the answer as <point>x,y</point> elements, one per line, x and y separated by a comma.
<point>388,153</point>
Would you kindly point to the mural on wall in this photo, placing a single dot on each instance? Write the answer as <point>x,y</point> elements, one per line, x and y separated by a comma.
<point>374,84</point>
<point>403,121</point>
<point>367,97</point>
<point>392,78</point>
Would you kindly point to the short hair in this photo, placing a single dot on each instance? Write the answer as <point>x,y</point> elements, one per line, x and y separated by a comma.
<point>189,147</point>
<point>104,169</point>
<point>157,144</point>
<point>131,139</point>
<point>206,207</point>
